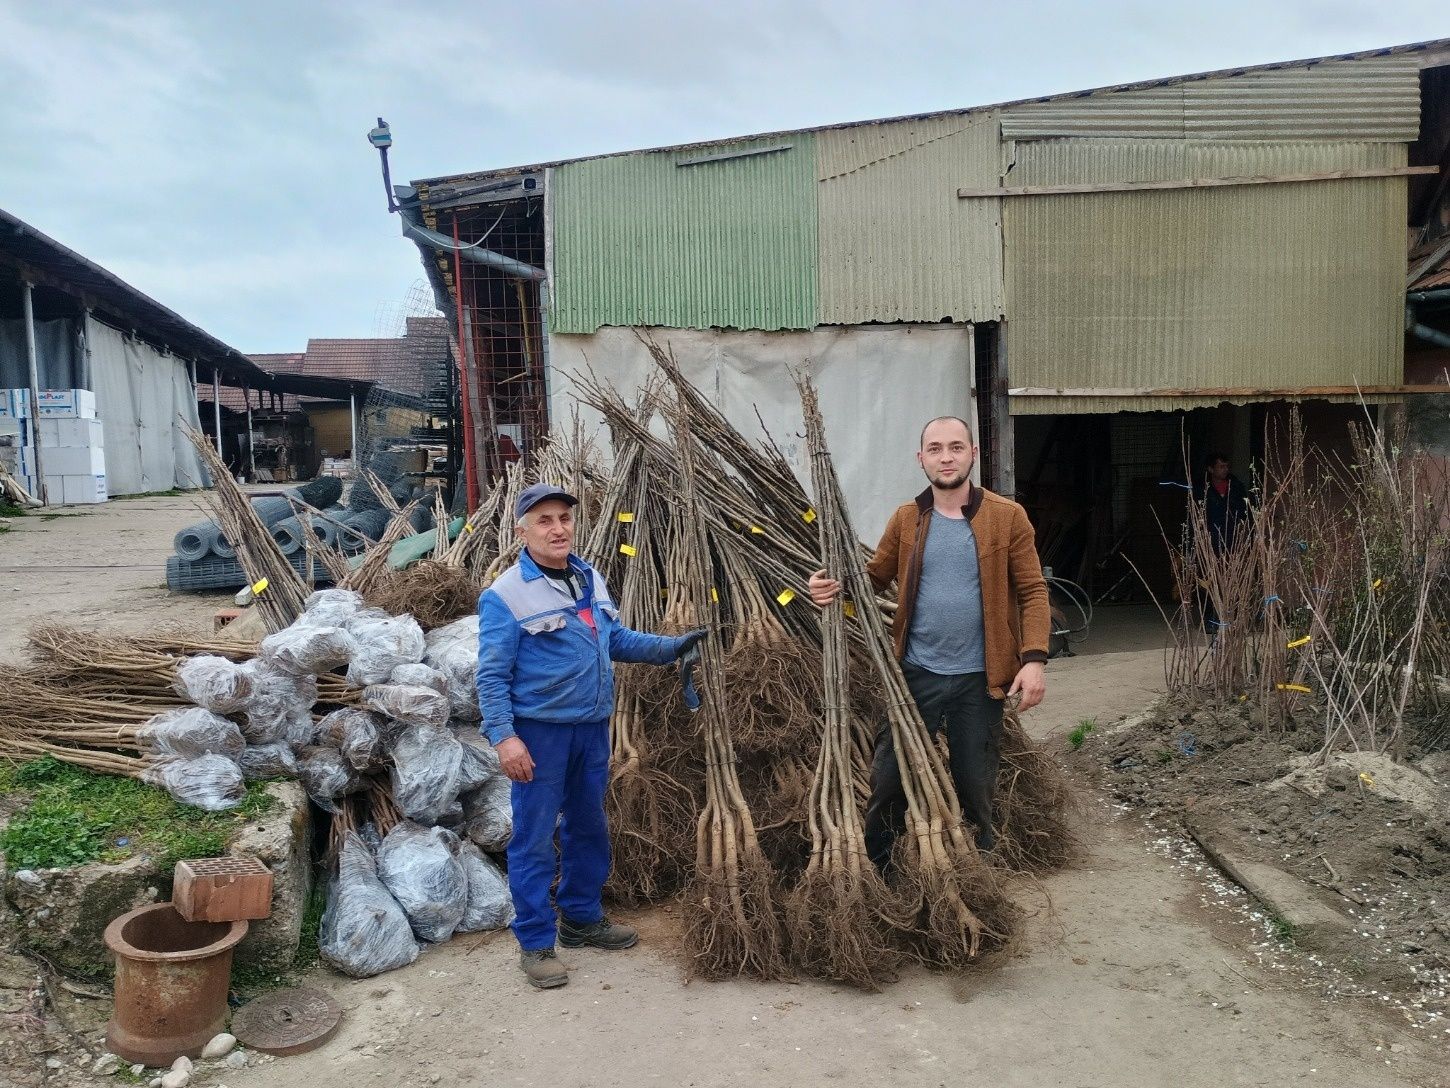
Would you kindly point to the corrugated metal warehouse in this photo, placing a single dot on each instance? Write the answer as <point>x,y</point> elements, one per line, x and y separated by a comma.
<point>1119,272</point>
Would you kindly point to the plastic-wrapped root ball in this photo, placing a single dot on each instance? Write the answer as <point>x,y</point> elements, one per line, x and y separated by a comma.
<point>364,930</point>
<point>453,651</point>
<point>383,643</point>
<point>332,607</point>
<point>419,675</point>
<point>480,761</point>
<point>211,782</point>
<point>426,765</point>
<point>190,731</point>
<point>356,733</point>
<point>275,760</point>
<point>306,649</point>
<point>213,683</point>
<point>490,904</point>
<point>280,705</point>
<point>326,776</point>
<point>407,704</point>
<point>421,867</point>
<point>488,815</point>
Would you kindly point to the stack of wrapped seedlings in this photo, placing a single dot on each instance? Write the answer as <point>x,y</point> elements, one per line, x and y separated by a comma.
<point>415,792</point>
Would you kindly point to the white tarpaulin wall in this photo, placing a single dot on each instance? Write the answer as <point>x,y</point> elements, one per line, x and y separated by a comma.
<point>143,398</point>
<point>878,385</point>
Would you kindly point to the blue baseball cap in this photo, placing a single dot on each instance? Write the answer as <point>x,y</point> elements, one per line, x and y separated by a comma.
<point>532,496</point>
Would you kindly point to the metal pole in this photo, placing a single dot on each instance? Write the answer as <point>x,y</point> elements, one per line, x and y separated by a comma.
<point>352,415</point>
<point>251,441</point>
<point>216,408</point>
<point>34,364</point>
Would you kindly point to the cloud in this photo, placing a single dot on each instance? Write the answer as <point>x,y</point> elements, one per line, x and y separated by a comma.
<point>214,154</point>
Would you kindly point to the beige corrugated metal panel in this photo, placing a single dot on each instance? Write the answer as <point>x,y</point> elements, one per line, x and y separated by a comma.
<point>895,244</point>
<point>1374,99</point>
<point>1147,112</point>
<point>1250,287</point>
<point>1069,406</point>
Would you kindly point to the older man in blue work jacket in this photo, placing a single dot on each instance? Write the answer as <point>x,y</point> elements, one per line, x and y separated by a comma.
<point>548,633</point>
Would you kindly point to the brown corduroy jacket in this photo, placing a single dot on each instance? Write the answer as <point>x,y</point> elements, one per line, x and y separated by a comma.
<point>1015,616</point>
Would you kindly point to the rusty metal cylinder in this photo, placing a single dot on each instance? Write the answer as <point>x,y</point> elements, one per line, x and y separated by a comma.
<point>171,983</point>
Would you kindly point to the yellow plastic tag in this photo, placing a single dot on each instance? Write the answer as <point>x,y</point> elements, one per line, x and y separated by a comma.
<point>1300,642</point>
<point>260,587</point>
<point>809,516</point>
<point>467,527</point>
<point>850,609</point>
<point>1367,779</point>
<point>757,529</point>
<point>625,516</point>
<point>1377,583</point>
<point>1300,688</point>
<point>627,549</point>
<point>714,595</point>
<point>785,596</point>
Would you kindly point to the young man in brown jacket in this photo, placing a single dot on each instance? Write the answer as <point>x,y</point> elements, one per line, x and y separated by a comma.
<point>971,626</point>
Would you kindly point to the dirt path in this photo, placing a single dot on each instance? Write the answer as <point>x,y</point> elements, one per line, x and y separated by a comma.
<point>1132,981</point>
<point>98,566</point>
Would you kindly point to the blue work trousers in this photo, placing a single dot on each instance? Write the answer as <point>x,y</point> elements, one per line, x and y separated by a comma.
<point>571,772</point>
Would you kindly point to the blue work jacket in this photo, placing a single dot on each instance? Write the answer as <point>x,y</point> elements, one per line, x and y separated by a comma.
<point>539,660</point>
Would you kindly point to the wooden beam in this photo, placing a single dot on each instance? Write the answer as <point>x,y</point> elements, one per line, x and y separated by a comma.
<point>1309,391</point>
<point>1195,183</point>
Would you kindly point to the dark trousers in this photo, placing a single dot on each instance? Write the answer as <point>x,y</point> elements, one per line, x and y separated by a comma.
<point>972,719</point>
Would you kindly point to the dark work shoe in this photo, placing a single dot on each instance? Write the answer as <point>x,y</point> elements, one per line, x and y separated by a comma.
<point>544,969</point>
<point>600,934</point>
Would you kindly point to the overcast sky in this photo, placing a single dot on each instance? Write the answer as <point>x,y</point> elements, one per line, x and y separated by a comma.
<point>214,154</point>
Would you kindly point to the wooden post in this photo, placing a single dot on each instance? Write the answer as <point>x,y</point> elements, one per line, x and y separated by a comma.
<point>32,361</point>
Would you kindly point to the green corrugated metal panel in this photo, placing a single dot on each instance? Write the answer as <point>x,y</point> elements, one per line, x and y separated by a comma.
<point>1374,99</point>
<point>895,242</point>
<point>1251,287</point>
<point>1066,406</point>
<point>641,240</point>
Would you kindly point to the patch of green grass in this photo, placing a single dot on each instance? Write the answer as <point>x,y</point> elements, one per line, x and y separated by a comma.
<point>124,1075</point>
<point>1285,932</point>
<point>1080,734</point>
<point>76,816</point>
<point>67,514</point>
<point>1164,755</point>
<point>10,510</point>
<point>307,953</point>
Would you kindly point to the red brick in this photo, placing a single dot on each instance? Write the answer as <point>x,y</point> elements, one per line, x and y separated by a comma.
<point>226,889</point>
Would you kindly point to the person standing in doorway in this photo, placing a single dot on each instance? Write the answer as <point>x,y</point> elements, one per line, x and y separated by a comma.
<point>971,626</point>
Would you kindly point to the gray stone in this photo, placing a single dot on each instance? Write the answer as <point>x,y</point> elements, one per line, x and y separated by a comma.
<point>219,1046</point>
<point>63,913</point>
<point>182,1065</point>
<point>176,1078</point>
<point>137,1069</point>
<point>237,1059</point>
<point>105,1065</point>
<point>280,839</point>
<point>52,1064</point>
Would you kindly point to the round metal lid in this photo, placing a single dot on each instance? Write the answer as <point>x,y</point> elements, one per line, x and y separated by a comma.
<point>287,1021</point>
